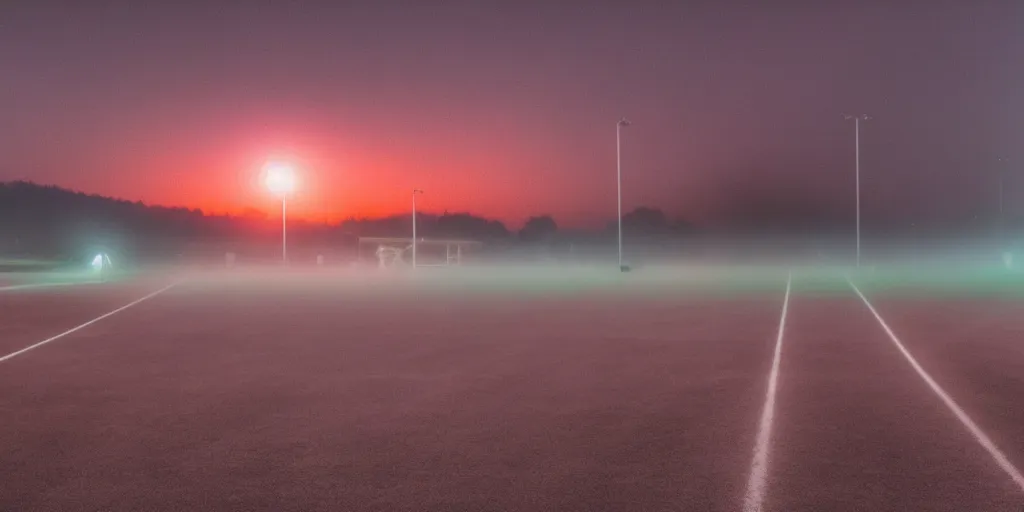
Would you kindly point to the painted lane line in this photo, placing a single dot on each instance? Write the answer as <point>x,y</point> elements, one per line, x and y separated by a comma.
<point>758,482</point>
<point>44,285</point>
<point>979,435</point>
<point>87,324</point>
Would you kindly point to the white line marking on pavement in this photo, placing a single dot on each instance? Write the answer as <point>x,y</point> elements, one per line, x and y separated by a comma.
<point>43,285</point>
<point>980,436</point>
<point>758,481</point>
<point>87,324</point>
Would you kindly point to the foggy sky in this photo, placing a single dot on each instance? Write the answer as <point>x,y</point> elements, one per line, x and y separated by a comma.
<point>508,109</point>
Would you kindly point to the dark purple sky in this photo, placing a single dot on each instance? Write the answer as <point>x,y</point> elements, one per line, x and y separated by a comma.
<point>508,108</point>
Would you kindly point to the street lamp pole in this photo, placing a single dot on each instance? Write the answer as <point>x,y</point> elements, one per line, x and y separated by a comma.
<point>284,229</point>
<point>414,192</point>
<point>618,175</point>
<point>1002,174</point>
<point>856,138</point>
<point>280,179</point>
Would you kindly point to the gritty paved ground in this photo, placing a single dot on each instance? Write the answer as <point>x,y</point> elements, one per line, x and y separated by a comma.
<point>304,392</point>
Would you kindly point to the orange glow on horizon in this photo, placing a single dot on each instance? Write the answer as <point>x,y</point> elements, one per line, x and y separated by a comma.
<point>341,176</point>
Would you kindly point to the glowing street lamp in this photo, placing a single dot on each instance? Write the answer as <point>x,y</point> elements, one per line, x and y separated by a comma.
<point>100,264</point>
<point>280,180</point>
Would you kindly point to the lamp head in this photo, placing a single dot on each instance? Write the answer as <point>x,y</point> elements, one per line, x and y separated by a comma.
<point>279,178</point>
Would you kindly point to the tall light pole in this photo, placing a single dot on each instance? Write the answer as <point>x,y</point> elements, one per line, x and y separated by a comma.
<point>415,191</point>
<point>618,175</point>
<point>856,139</point>
<point>280,180</point>
<point>1002,173</point>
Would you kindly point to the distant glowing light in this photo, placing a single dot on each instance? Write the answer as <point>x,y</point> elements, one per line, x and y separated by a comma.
<point>280,178</point>
<point>97,262</point>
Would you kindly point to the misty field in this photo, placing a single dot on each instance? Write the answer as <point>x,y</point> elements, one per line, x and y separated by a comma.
<point>512,388</point>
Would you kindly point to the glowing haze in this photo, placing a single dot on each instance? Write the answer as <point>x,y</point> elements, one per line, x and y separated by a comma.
<point>510,111</point>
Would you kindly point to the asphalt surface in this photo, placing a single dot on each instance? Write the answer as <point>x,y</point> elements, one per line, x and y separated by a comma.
<point>860,430</point>
<point>304,394</point>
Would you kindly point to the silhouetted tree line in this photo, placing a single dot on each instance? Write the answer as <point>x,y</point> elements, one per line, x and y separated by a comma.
<point>51,221</point>
<point>37,220</point>
<point>448,225</point>
<point>647,222</point>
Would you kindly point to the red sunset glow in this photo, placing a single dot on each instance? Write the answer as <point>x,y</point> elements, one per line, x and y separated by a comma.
<point>506,112</point>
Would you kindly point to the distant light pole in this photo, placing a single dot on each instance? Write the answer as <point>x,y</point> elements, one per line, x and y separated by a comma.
<point>1002,173</point>
<point>618,174</point>
<point>280,180</point>
<point>856,125</point>
<point>414,193</point>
